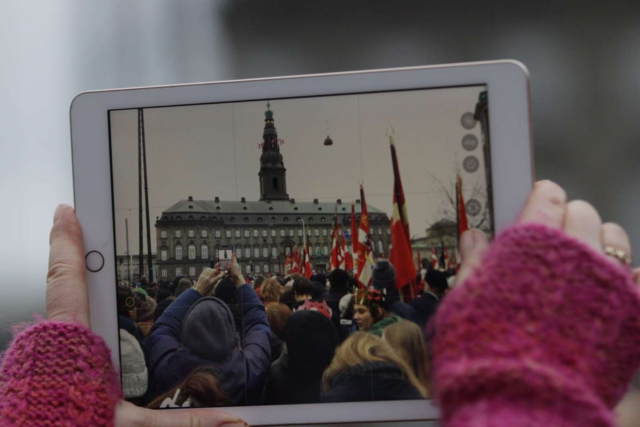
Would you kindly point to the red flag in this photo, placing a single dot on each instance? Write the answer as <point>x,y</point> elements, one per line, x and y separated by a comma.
<point>354,231</point>
<point>419,261</point>
<point>445,255</point>
<point>287,265</point>
<point>335,247</point>
<point>296,262</point>
<point>461,213</point>
<point>344,252</point>
<point>307,261</point>
<point>434,257</point>
<point>401,255</point>
<point>365,263</point>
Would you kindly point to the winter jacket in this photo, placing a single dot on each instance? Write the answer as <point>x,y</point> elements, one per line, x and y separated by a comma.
<point>370,381</point>
<point>241,376</point>
<point>424,308</point>
<point>378,327</point>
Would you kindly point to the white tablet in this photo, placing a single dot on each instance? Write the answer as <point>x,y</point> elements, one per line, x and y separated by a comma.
<point>171,180</point>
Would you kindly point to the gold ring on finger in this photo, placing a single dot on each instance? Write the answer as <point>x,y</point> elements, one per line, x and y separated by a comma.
<point>618,254</point>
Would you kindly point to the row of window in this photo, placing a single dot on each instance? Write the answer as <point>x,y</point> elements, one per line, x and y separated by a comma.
<point>256,268</point>
<point>272,219</point>
<point>317,250</point>
<point>256,233</point>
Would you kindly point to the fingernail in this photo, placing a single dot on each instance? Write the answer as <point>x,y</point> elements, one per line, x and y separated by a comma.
<point>467,241</point>
<point>56,214</point>
<point>235,423</point>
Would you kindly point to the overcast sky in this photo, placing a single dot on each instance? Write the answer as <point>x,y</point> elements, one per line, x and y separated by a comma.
<point>212,150</point>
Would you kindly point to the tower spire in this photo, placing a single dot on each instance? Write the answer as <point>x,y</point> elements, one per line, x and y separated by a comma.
<point>273,175</point>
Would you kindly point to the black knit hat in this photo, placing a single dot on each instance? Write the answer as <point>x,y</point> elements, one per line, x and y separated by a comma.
<point>384,275</point>
<point>339,279</point>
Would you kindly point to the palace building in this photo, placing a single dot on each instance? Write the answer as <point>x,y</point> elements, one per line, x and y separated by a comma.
<point>261,233</point>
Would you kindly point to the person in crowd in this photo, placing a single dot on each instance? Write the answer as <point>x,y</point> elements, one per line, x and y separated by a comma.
<point>435,286</point>
<point>258,281</point>
<point>161,307</point>
<point>200,388</point>
<point>152,292</point>
<point>127,301</point>
<point>320,277</point>
<point>164,291</point>
<point>339,279</point>
<point>144,282</point>
<point>384,280</point>
<point>175,283</point>
<point>145,315</point>
<point>271,290</point>
<point>368,311</point>
<point>226,291</point>
<point>365,368</point>
<point>197,330</point>
<point>320,292</point>
<point>133,368</point>
<point>277,314</point>
<point>183,285</point>
<point>296,376</point>
<point>407,339</point>
<point>302,290</point>
<point>585,355</point>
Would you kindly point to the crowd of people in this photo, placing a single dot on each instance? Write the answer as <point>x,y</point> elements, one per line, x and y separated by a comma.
<point>228,339</point>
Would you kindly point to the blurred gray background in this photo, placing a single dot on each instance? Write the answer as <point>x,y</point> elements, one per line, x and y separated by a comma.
<point>583,58</point>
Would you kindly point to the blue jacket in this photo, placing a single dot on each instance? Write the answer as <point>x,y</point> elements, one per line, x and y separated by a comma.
<point>241,376</point>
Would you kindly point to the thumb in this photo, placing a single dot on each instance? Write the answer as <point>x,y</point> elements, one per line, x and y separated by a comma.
<point>130,415</point>
<point>473,243</point>
<point>67,295</point>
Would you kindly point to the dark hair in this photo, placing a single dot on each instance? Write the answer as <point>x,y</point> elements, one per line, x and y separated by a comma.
<point>164,284</point>
<point>162,306</point>
<point>258,281</point>
<point>320,278</point>
<point>226,291</point>
<point>295,276</point>
<point>201,386</point>
<point>277,314</point>
<point>302,286</point>
<point>144,281</point>
<point>183,285</point>
<point>437,281</point>
<point>152,293</point>
<point>163,294</point>
<point>125,299</point>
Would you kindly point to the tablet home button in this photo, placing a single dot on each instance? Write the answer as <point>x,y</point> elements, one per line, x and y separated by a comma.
<point>94,261</point>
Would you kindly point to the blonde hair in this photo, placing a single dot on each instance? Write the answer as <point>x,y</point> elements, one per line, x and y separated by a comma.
<point>407,339</point>
<point>362,347</point>
<point>271,290</point>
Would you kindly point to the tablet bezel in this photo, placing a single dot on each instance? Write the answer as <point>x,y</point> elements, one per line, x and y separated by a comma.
<point>512,172</point>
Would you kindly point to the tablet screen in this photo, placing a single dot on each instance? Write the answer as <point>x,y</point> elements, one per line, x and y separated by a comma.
<point>343,213</point>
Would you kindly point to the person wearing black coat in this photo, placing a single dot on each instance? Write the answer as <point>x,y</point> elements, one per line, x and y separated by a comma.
<point>384,280</point>
<point>339,280</point>
<point>426,304</point>
<point>296,376</point>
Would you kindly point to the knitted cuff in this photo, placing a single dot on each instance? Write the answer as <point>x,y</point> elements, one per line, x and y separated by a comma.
<point>545,314</point>
<point>57,373</point>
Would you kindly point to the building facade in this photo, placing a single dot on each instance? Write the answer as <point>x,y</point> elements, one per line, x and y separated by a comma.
<point>261,233</point>
<point>128,267</point>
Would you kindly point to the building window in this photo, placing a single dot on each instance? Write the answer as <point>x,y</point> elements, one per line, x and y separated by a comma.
<point>380,247</point>
<point>192,251</point>
<point>227,234</point>
<point>310,219</point>
<point>179,252</point>
<point>299,232</point>
<point>192,233</point>
<point>291,232</point>
<point>217,234</point>
<point>232,219</point>
<point>283,233</point>
<point>163,255</point>
<point>322,219</point>
<point>259,219</point>
<point>205,233</point>
<point>316,232</point>
<point>273,219</point>
<point>163,272</point>
<point>178,233</point>
<point>266,268</point>
<point>257,268</point>
<point>287,250</point>
<point>248,268</point>
<point>247,252</point>
<point>325,250</point>
<point>273,233</point>
<point>237,233</point>
<point>238,252</point>
<point>324,231</point>
<point>178,271</point>
<point>380,231</point>
<point>204,252</point>
<point>276,268</point>
<point>246,219</point>
<point>265,233</point>
<point>256,233</point>
<point>389,231</point>
<point>163,234</point>
<point>309,232</point>
<point>247,233</point>
<point>274,252</point>
<point>285,219</point>
<point>135,273</point>
<point>265,252</point>
<point>192,271</point>
<point>256,252</point>
<point>298,219</point>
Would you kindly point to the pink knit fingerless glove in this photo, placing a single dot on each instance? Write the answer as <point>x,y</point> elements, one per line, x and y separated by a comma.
<point>57,373</point>
<point>545,333</point>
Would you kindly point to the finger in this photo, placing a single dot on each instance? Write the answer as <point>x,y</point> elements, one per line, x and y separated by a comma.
<point>583,222</point>
<point>545,205</point>
<point>614,235</point>
<point>67,296</point>
<point>130,415</point>
<point>473,243</point>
